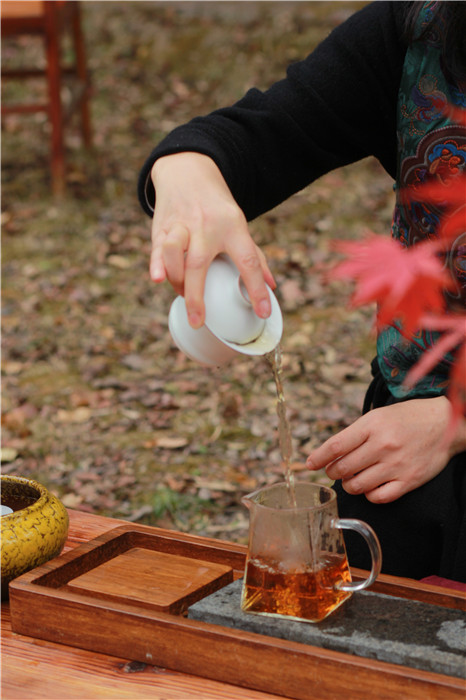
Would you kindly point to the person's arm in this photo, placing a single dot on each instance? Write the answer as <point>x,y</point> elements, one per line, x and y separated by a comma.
<point>335,107</point>
<point>392,450</point>
<point>216,172</point>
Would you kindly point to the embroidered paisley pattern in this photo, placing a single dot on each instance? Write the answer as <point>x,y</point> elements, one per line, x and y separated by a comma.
<point>432,147</point>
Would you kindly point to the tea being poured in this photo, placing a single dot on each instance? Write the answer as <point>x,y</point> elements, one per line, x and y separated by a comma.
<point>296,565</point>
<point>274,358</point>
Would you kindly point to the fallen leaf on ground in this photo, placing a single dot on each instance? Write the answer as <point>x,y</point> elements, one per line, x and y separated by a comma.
<point>171,443</point>
<point>8,454</point>
<point>78,415</point>
<point>71,500</point>
<point>119,261</point>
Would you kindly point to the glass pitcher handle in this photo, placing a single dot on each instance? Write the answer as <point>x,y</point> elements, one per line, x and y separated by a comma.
<point>374,547</point>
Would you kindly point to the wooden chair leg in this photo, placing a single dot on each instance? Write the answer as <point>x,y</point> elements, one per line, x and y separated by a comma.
<point>53,48</point>
<point>53,18</point>
<point>81,70</point>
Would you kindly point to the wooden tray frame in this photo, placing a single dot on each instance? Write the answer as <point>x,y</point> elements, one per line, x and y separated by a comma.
<point>42,606</point>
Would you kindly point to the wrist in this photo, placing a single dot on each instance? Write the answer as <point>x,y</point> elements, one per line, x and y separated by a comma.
<point>175,161</point>
<point>457,439</point>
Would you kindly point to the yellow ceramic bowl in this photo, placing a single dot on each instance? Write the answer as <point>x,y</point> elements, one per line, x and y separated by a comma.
<point>36,530</point>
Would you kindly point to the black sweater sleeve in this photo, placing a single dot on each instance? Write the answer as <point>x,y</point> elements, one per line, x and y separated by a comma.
<point>335,107</point>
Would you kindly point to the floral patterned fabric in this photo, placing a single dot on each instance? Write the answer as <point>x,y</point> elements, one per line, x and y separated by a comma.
<point>432,147</point>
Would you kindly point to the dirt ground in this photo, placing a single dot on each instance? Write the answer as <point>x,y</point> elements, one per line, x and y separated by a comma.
<point>98,404</point>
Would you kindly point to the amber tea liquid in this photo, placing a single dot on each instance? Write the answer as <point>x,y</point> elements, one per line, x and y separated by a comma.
<point>303,594</point>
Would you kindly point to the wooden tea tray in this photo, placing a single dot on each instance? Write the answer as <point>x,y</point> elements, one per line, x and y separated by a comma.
<point>125,593</point>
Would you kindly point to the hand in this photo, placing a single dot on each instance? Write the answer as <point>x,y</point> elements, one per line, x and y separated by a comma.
<point>196,218</point>
<point>391,450</point>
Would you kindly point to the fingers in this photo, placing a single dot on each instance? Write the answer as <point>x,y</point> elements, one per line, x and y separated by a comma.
<point>349,456</point>
<point>167,261</point>
<point>367,479</point>
<point>342,445</point>
<point>156,266</point>
<point>197,263</point>
<point>174,249</point>
<point>251,273</point>
<point>250,261</point>
<point>388,492</point>
<point>354,463</point>
<point>173,259</point>
<point>196,218</point>
<point>254,272</point>
<point>384,455</point>
<point>268,276</point>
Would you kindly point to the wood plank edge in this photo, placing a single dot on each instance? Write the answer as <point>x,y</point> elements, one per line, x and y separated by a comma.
<point>219,653</point>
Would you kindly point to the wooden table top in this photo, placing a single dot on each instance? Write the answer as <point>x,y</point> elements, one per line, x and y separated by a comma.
<point>33,668</point>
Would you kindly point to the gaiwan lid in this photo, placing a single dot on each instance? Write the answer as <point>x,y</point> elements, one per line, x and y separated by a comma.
<point>231,325</point>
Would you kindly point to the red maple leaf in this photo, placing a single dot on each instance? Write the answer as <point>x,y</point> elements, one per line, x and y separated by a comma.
<point>450,196</point>
<point>405,283</point>
<point>453,339</point>
<point>409,284</point>
<point>456,114</point>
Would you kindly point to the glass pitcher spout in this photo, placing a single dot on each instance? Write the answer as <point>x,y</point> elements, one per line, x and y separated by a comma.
<point>246,501</point>
<point>254,498</point>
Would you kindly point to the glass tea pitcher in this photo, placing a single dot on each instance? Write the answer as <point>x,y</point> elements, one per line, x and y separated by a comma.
<point>296,564</point>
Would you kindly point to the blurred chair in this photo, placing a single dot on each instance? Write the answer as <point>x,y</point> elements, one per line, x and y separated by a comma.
<point>51,20</point>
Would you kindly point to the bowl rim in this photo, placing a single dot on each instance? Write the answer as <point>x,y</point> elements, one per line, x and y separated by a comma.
<point>44,495</point>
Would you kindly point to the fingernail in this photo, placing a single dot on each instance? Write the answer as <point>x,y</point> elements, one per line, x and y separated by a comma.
<point>194,320</point>
<point>156,273</point>
<point>264,308</point>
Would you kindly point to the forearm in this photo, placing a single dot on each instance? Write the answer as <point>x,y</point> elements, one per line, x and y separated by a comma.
<point>335,107</point>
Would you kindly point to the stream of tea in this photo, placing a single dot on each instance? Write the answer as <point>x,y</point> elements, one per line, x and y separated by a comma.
<point>304,583</point>
<point>274,358</point>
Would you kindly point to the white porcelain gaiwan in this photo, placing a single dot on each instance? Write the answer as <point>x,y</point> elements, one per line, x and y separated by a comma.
<point>231,325</point>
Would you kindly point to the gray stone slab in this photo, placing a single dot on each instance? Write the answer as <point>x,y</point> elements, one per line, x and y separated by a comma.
<point>370,625</point>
